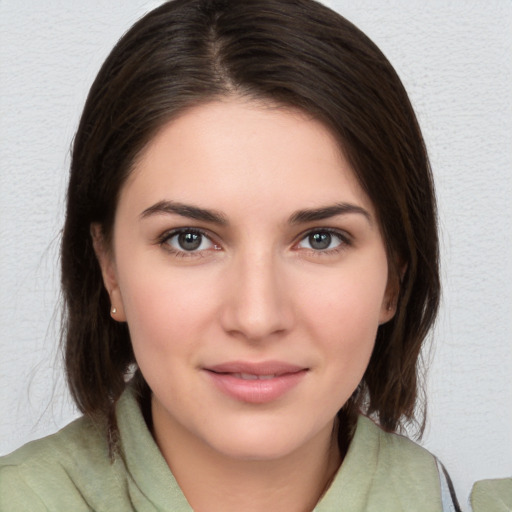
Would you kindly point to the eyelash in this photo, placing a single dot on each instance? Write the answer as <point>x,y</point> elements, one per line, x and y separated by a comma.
<point>345,241</point>
<point>169,235</point>
<point>163,240</point>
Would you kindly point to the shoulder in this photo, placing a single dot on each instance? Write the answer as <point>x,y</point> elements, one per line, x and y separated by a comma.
<point>81,435</point>
<point>384,472</point>
<point>412,470</point>
<point>64,471</point>
<point>395,451</point>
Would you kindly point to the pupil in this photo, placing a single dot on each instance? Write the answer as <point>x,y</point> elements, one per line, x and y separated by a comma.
<point>189,241</point>
<point>320,240</point>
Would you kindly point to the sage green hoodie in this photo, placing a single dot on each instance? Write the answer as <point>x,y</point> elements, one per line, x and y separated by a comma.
<point>70,471</point>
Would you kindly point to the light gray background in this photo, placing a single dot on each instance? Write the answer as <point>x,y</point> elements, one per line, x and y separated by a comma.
<point>455,58</point>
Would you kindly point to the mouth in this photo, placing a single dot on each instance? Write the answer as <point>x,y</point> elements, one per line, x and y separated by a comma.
<point>251,376</point>
<point>256,383</point>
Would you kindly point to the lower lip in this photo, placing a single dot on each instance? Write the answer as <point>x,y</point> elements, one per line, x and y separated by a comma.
<point>256,391</point>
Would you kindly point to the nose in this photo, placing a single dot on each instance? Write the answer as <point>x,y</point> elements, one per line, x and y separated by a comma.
<point>257,302</point>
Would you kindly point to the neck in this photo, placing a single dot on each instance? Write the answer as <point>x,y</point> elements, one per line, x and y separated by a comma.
<point>212,481</point>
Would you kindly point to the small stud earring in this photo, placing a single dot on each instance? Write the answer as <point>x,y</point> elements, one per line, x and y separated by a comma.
<point>390,306</point>
<point>113,311</point>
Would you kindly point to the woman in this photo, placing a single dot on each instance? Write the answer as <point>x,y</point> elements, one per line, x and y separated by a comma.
<point>250,267</point>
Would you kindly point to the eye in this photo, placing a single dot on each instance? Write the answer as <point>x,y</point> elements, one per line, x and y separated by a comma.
<point>323,240</point>
<point>188,241</point>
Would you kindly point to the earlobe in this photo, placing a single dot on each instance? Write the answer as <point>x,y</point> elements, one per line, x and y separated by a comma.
<point>117,307</point>
<point>390,301</point>
<point>388,310</point>
<point>108,272</point>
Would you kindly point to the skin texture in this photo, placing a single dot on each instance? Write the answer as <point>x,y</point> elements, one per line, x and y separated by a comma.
<point>257,289</point>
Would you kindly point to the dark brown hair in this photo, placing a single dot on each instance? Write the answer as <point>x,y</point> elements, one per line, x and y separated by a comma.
<point>295,53</point>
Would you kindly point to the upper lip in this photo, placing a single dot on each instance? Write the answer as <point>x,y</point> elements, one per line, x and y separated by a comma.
<point>259,368</point>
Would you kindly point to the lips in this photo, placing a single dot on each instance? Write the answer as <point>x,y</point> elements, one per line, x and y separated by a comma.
<point>256,383</point>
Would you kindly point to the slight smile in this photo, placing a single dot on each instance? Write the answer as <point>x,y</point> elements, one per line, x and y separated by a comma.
<point>256,383</point>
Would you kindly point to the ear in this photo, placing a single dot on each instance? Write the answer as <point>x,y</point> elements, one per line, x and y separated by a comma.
<point>108,271</point>
<point>390,300</point>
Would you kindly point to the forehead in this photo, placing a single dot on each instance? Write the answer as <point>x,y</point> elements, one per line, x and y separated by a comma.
<point>233,153</point>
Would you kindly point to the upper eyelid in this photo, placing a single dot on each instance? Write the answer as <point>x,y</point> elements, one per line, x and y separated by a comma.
<point>336,231</point>
<point>169,233</point>
<point>166,236</point>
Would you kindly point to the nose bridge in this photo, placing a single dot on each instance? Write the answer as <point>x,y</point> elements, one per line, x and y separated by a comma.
<point>258,304</point>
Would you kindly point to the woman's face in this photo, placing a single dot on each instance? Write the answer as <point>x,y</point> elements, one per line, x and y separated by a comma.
<point>250,268</point>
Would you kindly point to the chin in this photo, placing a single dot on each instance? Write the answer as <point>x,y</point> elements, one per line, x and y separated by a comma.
<point>261,450</point>
<point>262,442</point>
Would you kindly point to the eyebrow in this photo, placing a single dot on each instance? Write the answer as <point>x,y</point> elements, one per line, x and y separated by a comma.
<point>185,210</point>
<point>215,217</point>
<point>326,212</point>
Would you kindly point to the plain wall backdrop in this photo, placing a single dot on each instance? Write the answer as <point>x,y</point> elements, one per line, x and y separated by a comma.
<point>455,59</point>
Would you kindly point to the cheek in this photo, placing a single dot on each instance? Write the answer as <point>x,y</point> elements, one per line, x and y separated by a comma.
<point>344,319</point>
<point>163,323</point>
<point>349,302</point>
<point>165,311</point>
